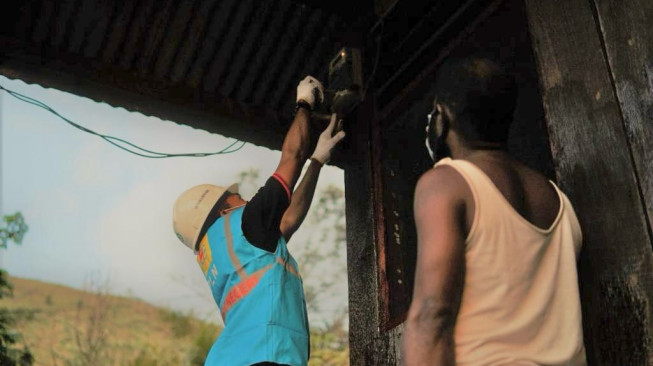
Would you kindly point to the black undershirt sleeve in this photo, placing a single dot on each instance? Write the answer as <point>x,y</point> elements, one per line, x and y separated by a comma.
<point>263,213</point>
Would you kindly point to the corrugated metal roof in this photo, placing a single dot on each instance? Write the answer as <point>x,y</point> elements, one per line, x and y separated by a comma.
<point>220,65</point>
<point>238,53</point>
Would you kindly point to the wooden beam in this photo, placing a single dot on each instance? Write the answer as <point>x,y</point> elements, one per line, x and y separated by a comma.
<point>382,7</point>
<point>368,345</point>
<point>595,169</point>
<point>628,39</point>
<point>361,251</point>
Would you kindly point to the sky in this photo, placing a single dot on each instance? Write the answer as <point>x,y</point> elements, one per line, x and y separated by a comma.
<point>97,213</point>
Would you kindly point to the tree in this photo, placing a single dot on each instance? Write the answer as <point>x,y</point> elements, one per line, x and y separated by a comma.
<point>14,229</point>
<point>91,329</point>
<point>323,266</point>
<point>323,252</point>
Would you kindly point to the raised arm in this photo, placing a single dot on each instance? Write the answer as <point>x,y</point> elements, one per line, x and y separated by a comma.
<point>296,145</point>
<point>440,272</point>
<point>303,195</point>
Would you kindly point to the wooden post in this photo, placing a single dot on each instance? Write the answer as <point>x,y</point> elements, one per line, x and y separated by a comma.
<point>628,38</point>
<point>595,168</point>
<point>365,242</point>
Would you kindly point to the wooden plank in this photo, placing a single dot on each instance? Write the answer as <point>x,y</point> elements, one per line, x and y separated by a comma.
<point>628,38</point>
<point>594,167</point>
<point>361,253</point>
<point>365,233</point>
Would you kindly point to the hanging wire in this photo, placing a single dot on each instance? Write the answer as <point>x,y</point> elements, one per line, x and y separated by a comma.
<point>122,143</point>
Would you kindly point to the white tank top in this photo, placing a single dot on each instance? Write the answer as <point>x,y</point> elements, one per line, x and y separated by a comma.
<point>520,304</point>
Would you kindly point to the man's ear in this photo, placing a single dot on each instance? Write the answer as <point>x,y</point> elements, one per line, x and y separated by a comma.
<point>446,112</point>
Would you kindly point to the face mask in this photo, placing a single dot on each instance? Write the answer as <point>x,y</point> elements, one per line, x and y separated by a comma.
<point>436,145</point>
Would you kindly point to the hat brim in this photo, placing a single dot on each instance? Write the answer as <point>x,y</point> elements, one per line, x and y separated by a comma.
<point>233,188</point>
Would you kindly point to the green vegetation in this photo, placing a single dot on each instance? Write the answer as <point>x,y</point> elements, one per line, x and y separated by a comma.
<point>82,328</point>
<point>13,229</point>
<point>11,353</point>
<point>94,328</point>
<point>202,344</point>
<point>180,323</point>
<point>66,327</point>
<point>330,346</point>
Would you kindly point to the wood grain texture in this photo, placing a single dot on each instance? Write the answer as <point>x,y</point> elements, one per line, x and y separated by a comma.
<point>594,167</point>
<point>361,253</point>
<point>628,37</point>
<point>368,346</point>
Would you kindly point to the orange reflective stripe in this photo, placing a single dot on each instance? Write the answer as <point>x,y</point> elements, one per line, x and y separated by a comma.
<point>242,289</point>
<point>247,282</point>
<point>230,248</point>
<point>289,267</point>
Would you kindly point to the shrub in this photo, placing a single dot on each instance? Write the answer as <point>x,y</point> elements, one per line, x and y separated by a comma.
<point>202,343</point>
<point>180,323</point>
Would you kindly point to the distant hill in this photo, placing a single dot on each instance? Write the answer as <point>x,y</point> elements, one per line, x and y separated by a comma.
<point>63,326</point>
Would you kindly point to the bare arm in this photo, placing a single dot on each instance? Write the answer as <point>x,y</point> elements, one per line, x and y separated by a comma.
<point>439,275</point>
<point>301,201</point>
<point>295,149</point>
<point>303,195</point>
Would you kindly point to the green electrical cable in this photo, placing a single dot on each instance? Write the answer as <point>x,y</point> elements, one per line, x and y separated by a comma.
<point>116,141</point>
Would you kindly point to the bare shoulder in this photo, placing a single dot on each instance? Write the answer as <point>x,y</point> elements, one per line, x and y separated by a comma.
<point>441,181</point>
<point>542,202</point>
<point>535,181</point>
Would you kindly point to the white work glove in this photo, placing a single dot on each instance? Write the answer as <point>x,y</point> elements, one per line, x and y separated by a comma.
<point>326,142</point>
<point>309,89</point>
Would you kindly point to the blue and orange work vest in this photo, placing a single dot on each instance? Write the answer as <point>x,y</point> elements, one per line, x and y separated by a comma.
<point>260,296</point>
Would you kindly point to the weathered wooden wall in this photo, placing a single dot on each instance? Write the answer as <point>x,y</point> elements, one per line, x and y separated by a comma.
<point>587,66</point>
<point>627,35</point>
<point>594,62</point>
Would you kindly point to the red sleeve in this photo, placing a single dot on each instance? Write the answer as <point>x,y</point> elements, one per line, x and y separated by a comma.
<point>283,183</point>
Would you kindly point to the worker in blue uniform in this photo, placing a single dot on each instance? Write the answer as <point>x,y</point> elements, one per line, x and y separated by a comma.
<point>241,248</point>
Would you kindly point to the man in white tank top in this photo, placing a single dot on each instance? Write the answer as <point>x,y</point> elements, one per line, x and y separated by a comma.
<point>496,281</point>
